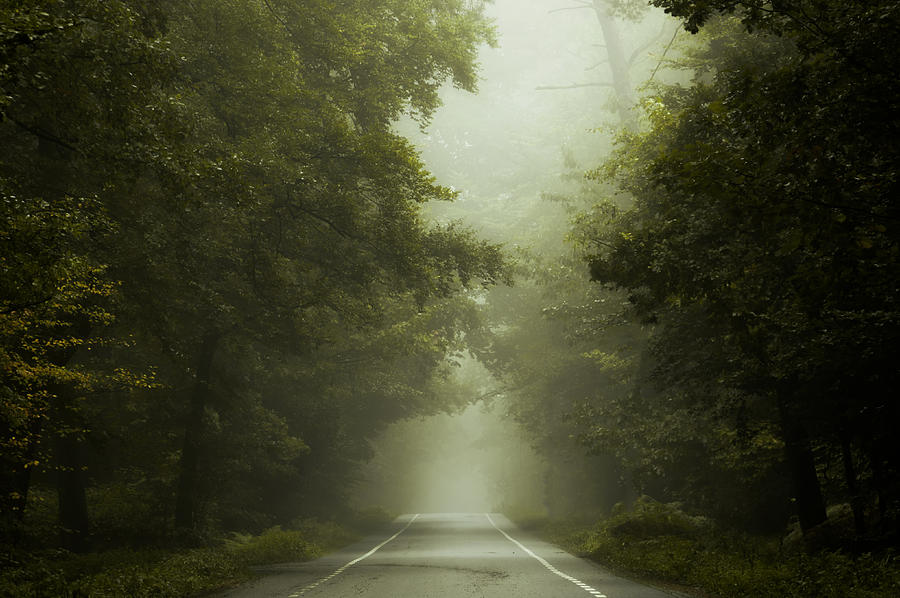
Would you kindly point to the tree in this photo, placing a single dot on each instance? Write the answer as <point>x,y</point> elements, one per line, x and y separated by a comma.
<point>761,206</point>
<point>60,131</point>
<point>619,61</point>
<point>245,197</point>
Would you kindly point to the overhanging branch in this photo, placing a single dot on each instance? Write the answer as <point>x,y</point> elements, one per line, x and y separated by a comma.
<point>573,86</point>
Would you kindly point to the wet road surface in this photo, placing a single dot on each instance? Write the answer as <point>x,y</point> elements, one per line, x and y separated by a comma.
<point>446,555</point>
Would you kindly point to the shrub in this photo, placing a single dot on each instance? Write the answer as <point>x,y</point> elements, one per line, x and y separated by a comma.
<point>274,545</point>
<point>370,519</point>
<point>660,542</point>
<point>650,518</point>
<point>164,573</point>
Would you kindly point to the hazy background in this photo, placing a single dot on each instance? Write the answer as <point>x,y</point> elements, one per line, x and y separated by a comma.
<point>516,152</point>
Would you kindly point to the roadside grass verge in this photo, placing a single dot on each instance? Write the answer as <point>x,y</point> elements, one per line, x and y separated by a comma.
<point>658,543</point>
<point>159,573</point>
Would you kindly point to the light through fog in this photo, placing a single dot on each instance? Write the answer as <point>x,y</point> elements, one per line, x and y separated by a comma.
<point>454,478</point>
<point>444,465</point>
<point>273,274</point>
<point>537,114</point>
<point>471,461</point>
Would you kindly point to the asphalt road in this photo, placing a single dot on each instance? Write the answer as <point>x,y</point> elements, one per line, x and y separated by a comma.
<point>446,555</point>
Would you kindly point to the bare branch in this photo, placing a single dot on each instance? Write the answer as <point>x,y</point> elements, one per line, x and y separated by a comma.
<point>579,7</point>
<point>8,309</point>
<point>279,19</point>
<point>573,86</point>
<point>643,47</point>
<point>661,58</point>
<point>42,134</point>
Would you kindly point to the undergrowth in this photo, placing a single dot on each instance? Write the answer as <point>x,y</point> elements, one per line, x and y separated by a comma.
<point>658,542</point>
<point>158,573</point>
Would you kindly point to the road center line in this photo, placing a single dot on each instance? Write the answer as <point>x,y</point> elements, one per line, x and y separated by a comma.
<point>351,563</point>
<point>551,568</point>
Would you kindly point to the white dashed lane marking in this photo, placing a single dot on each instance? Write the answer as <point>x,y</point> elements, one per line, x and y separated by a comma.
<point>551,568</point>
<point>315,584</point>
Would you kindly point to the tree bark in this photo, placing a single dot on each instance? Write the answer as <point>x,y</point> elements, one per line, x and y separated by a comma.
<point>802,467</point>
<point>73,513</point>
<point>618,63</point>
<point>856,500</point>
<point>186,499</point>
<point>15,482</point>
<point>74,520</point>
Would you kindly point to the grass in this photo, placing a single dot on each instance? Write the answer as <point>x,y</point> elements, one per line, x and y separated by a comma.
<point>659,543</point>
<point>136,573</point>
<point>172,573</point>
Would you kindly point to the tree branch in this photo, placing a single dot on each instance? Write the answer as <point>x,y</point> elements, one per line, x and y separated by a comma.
<point>44,135</point>
<point>279,19</point>
<point>601,63</point>
<point>643,47</point>
<point>8,309</point>
<point>579,7</point>
<point>661,58</point>
<point>573,86</point>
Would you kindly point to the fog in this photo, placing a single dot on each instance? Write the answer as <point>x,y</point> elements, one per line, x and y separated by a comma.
<point>545,111</point>
<point>506,146</point>
<point>473,461</point>
<point>240,312</point>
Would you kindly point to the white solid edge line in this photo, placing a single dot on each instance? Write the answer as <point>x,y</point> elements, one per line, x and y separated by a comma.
<point>549,567</point>
<point>351,563</point>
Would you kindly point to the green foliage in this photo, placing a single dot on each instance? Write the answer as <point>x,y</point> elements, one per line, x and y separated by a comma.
<point>126,512</point>
<point>132,573</point>
<point>660,543</point>
<point>144,573</point>
<point>649,518</point>
<point>214,193</point>
<point>369,519</point>
<point>823,26</point>
<point>274,545</point>
<point>759,245</point>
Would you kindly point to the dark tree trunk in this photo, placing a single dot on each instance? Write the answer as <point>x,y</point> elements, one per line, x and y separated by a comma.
<point>70,480</point>
<point>802,468</point>
<point>73,514</point>
<point>15,480</point>
<point>15,483</point>
<point>878,480</point>
<point>186,498</point>
<point>856,499</point>
<point>74,520</point>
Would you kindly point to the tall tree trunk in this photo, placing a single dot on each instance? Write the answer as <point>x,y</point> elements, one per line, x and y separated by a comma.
<point>618,63</point>
<point>70,479</point>
<point>56,159</point>
<point>67,425</point>
<point>15,481</point>
<point>856,499</point>
<point>73,513</point>
<point>802,467</point>
<point>186,499</point>
<point>878,481</point>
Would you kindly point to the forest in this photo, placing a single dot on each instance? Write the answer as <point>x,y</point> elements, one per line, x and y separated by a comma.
<point>264,262</point>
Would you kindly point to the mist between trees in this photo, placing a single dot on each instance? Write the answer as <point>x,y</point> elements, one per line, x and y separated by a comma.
<point>271,260</point>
